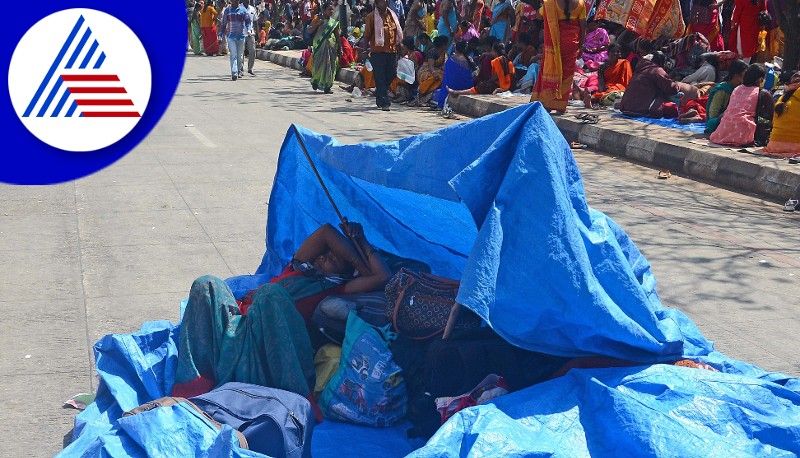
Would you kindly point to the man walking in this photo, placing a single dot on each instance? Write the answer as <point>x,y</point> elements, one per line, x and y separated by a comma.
<point>236,22</point>
<point>250,40</point>
<point>383,32</point>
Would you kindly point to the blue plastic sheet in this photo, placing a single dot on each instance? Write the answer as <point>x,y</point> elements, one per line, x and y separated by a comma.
<point>498,203</point>
<point>695,127</point>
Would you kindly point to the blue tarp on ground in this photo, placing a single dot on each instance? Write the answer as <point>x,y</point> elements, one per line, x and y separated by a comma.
<point>497,202</point>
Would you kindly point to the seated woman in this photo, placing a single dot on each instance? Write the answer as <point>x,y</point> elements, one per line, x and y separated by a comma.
<point>785,138</point>
<point>594,51</point>
<point>526,63</point>
<point>706,73</point>
<point>748,118</point>
<point>720,94</point>
<point>267,343</point>
<point>650,90</point>
<point>613,76</point>
<point>501,78</point>
<point>431,72</point>
<point>457,73</point>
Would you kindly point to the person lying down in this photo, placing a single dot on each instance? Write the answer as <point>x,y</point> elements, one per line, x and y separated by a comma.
<point>267,342</point>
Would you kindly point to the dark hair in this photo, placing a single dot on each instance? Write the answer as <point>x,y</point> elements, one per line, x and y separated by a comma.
<point>525,38</point>
<point>408,42</point>
<point>764,19</point>
<point>499,48</point>
<point>567,9</point>
<point>659,58</point>
<point>461,47</point>
<point>440,41</point>
<point>754,73</point>
<point>780,107</point>
<point>465,24</point>
<point>737,67</point>
<point>423,36</point>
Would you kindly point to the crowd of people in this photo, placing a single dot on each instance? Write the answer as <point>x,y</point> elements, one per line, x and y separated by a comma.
<point>720,65</point>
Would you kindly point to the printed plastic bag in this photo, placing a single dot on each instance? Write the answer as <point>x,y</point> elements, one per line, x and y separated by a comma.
<point>368,388</point>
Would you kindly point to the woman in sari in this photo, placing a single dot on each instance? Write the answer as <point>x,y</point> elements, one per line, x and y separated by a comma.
<point>720,95</point>
<point>457,73</point>
<point>595,45</point>
<point>431,72</point>
<point>326,49</point>
<point>704,19</point>
<point>612,77</point>
<point>262,338</point>
<point>208,27</point>
<point>502,75</point>
<point>785,138</point>
<point>564,29</point>
<point>748,118</point>
<point>195,34</point>
<point>502,20</point>
<point>743,37</point>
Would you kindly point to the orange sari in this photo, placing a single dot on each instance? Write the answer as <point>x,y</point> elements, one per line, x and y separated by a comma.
<point>616,78</point>
<point>561,46</point>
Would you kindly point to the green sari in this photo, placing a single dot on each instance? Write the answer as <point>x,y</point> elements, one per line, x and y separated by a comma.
<point>718,98</point>
<point>325,56</point>
<point>195,34</point>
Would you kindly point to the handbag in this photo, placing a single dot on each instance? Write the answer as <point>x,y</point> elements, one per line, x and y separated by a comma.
<point>419,305</point>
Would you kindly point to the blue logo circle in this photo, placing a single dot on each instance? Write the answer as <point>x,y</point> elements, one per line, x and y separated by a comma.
<point>87,82</point>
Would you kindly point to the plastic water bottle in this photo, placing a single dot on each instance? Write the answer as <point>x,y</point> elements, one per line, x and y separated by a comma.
<point>368,65</point>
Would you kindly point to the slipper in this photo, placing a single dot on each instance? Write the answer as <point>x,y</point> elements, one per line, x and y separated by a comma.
<point>664,174</point>
<point>794,160</point>
<point>576,145</point>
<point>791,205</point>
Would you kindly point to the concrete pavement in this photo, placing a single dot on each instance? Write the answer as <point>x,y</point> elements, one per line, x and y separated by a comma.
<point>120,247</point>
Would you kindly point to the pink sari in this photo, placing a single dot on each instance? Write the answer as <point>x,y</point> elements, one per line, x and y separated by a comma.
<point>595,39</point>
<point>738,125</point>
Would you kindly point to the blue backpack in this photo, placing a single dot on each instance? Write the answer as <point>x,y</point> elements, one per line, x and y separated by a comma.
<point>276,423</point>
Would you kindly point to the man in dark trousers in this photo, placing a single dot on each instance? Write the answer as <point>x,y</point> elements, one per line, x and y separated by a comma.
<point>383,33</point>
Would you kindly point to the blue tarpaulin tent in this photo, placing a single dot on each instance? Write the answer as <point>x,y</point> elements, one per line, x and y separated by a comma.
<point>498,203</point>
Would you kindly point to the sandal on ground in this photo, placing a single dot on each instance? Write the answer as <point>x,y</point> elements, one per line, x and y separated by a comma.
<point>577,145</point>
<point>794,160</point>
<point>664,174</point>
<point>791,205</point>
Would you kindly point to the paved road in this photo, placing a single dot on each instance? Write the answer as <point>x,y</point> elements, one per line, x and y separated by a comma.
<point>107,252</point>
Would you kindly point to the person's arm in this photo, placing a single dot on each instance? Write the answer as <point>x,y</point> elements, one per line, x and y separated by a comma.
<point>326,239</point>
<point>376,274</point>
<point>224,23</point>
<point>601,77</point>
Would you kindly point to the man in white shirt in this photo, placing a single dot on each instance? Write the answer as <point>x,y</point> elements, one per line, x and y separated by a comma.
<point>250,39</point>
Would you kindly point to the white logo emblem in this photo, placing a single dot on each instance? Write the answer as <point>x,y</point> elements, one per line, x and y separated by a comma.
<point>79,80</point>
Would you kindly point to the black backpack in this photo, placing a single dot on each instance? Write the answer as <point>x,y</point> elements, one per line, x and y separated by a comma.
<point>444,368</point>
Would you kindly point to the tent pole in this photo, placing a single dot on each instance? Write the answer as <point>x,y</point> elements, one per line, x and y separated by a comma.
<point>342,219</point>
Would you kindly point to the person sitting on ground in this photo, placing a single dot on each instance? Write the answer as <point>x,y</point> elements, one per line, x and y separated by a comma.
<point>267,342</point>
<point>407,66</point>
<point>431,72</point>
<point>707,72</point>
<point>595,45</point>
<point>526,63</point>
<point>650,89</point>
<point>612,78</point>
<point>457,73</point>
<point>785,138</point>
<point>748,118</point>
<point>720,94</point>
<point>501,79</point>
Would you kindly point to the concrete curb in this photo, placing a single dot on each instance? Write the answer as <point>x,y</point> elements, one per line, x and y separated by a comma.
<point>657,146</point>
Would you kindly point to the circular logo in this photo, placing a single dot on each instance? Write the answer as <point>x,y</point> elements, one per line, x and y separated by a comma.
<point>79,80</point>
